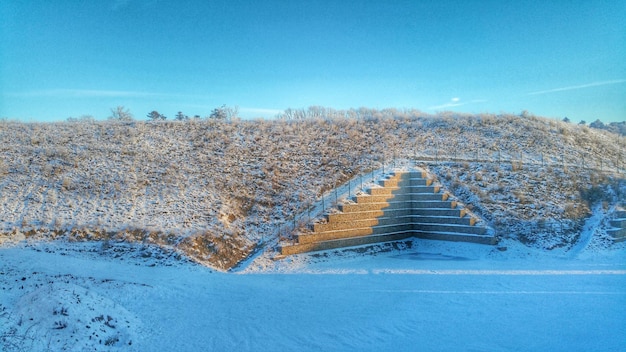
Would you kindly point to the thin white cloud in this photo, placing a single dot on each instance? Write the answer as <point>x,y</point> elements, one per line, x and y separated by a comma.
<point>85,93</point>
<point>456,102</point>
<point>444,106</point>
<point>582,86</point>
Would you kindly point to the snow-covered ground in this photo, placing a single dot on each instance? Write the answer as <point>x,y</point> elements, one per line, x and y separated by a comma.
<point>421,295</point>
<point>216,190</point>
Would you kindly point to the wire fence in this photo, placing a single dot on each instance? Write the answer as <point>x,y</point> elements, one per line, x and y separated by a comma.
<point>519,160</point>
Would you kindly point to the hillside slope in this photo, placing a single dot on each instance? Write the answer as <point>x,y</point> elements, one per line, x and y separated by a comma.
<point>215,189</point>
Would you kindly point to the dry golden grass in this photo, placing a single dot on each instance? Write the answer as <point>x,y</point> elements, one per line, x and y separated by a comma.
<point>214,189</point>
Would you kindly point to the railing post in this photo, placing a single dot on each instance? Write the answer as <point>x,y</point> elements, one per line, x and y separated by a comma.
<point>383,164</point>
<point>583,161</point>
<point>600,164</point>
<point>349,189</point>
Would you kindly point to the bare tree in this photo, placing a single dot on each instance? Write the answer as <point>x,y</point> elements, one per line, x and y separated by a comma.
<point>82,118</point>
<point>597,124</point>
<point>218,113</point>
<point>181,117</point>
<point>155,115</point>
<point>121,113</point>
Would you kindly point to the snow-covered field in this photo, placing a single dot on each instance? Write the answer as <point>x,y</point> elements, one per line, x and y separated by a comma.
<point>421,295</point>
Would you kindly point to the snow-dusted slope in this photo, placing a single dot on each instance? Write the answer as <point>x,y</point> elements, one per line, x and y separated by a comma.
<point>215,190</point>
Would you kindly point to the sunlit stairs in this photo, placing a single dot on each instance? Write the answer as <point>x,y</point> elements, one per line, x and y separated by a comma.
<point>402,205</point>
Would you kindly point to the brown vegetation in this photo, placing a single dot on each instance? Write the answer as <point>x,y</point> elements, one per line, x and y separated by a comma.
<point>217,188</point>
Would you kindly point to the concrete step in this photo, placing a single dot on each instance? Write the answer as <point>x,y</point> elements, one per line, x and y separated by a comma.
<point>357,215</point>
<point>390,227</point>
<point>453,220</point>
<point>379,191</point>
<point>361,207</point>
<point>375,199</point>
<point>621,223</point>
<point>353,232</point>
<point>389,183</point>
<point>620,214</point>
<point>422,189</point>
<point>466,229</point>
<point>395,236</point>
<point>459,212</point>
<point>415,181</point>
<point>344,225</point>
<point>618,234</point>
<point>333,235</point>
<point>442,196</point>
<point>376,191</point>
<point>448,204</point>
<point>341,243</point>
<point>335,231</point>
<point>455,237</point>
<point>392,204</point>
<point>373,214</point>
<point>411,174</point>
<point>406,218</point>
<point>405,197</point>
<point>397,212</point>
<point>408,182</point>
<point>439,222</point>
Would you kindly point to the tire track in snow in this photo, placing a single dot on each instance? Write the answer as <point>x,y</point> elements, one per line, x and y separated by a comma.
<point>487,292</point>
<point>460,272</point>
<point>498,272</point>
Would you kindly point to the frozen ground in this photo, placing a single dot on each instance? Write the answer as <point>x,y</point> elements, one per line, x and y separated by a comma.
<point>217,189</point>
<point>432,296</point>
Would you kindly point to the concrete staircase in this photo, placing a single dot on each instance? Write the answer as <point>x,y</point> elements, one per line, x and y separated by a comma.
<point>618,232</point>
<point>404,205</point>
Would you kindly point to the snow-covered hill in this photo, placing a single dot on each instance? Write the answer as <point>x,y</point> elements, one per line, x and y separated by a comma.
<point>215,190</point>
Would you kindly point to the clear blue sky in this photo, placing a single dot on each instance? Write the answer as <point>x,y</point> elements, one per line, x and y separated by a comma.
<point>61,58</point>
